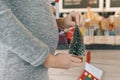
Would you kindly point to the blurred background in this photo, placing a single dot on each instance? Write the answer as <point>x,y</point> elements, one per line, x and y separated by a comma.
<point>100,28</point>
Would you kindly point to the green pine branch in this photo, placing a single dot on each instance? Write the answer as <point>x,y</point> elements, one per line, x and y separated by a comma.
<point>77,46</point>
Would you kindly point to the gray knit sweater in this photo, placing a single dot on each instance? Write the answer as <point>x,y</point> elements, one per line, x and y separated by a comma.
<point>28,33</point>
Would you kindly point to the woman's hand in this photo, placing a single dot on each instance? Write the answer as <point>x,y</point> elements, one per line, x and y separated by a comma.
<point>72,19</point>
<point>62,60</point>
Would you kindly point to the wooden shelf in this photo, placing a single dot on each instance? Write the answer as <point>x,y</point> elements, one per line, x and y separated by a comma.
<point>93,47</point>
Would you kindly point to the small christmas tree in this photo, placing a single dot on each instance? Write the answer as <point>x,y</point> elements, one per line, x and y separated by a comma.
<point>77,46</point>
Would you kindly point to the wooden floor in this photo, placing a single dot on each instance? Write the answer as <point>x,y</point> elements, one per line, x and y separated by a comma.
<point>107,60</point>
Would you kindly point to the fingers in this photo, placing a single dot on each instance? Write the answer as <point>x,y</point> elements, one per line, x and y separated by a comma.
<point>76,17</point>
<point>68,21</point>
<point>66,61</point>
<point>76,64</point>
<point>76,60</point>
<point>71,24</point>
<point>72,19</point>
